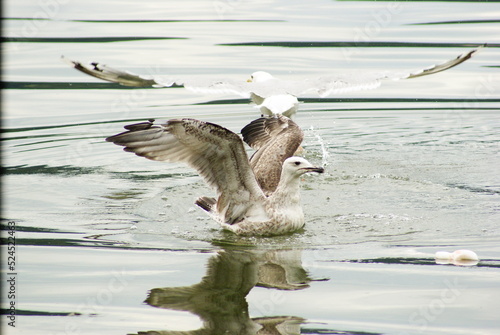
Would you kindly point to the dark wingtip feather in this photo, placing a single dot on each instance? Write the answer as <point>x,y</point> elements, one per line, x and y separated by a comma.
<point>206,203</point>
<point>260,131</point>
<point>254,131</point>
<point>131,128</point>
<point>140,126</point>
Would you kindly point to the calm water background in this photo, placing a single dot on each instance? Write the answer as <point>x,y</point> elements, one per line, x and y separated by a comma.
<point>412,168</point>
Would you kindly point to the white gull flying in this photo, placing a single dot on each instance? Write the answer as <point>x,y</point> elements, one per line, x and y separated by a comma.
<point>262,86</point>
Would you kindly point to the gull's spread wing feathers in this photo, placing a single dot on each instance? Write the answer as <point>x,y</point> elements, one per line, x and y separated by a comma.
<point>355,81</point>
<point>215,152</point>
<point>443,66</point>
<point>275,138</point>
<point>127,78</point>
<point>323,86</point>
<point>113,75</point>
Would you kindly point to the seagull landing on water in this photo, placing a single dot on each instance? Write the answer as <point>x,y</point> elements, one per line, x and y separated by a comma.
<point>270,94</point>
<point>220,158</point>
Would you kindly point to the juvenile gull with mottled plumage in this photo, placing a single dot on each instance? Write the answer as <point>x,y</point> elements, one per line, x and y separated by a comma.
<point>242,205</point>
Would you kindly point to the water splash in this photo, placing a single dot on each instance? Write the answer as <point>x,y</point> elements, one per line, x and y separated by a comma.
<point>324,152</point>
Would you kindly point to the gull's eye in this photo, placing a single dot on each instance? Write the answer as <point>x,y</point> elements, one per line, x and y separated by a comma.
<point>297,163</point>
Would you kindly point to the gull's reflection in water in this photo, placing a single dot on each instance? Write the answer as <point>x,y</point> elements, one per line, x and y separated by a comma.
<point>220,298</point>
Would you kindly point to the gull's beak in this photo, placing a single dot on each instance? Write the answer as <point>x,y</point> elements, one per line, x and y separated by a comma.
<point>314,169</point>
<point>249,80</point>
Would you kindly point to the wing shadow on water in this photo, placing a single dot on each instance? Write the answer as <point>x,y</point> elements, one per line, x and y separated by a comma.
<point>219,299</point>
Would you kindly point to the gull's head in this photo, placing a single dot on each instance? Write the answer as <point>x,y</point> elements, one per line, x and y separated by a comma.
<point>259,77</point>
<point>297,166</point>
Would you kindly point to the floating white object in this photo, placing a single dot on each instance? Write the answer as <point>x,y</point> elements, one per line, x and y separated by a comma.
<point>458,257</point>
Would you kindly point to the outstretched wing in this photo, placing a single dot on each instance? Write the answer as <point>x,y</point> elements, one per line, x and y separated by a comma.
<point>275,139</point>
<point>126,78</point>
<point>323,86</point>
<point>347,82</point>
<point>438,67</point>
<point>215,152</point>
